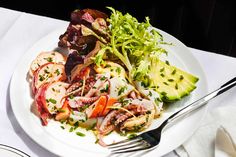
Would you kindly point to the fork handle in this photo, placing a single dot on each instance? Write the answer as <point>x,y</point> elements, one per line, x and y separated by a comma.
<point>200,102</point>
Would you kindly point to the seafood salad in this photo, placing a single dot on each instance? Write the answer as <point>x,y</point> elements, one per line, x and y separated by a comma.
<point>111,79</point>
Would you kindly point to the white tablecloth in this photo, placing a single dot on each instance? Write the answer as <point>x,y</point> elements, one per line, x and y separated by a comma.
<point>18,31</point>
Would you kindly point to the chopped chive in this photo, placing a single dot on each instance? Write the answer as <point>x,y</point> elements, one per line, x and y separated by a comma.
<point>49,59</point>
<point>41,78</point>
<point>105,89</point>
<point>52,101</point>
<point>102,78</point>
<point>170,80</point>
<point>162,69</point>
<point>97,140</point>
<point>76,125</point>
<point>162,75</point>
<point>143,84</point>
<point>176,86</point>
<point>118,70</point>
<point>155,87</point>
<point>173,72</point>
<point>150,93</point>
<point>132,136</point>
<point>62,127</point>
<point>71,96</point>
<point>71,119</point>
<point>71,129</point>
<point>46,71</point>
<point>181,77</point>
<point>163,93</point>
<point>57,72</point>
<point>107,66</point>
<point>166,83</point>
<point>167,62</point>
<point>80,134</point>
<point>62,121</point>
<point>157,100</point>
<point>122,90</point>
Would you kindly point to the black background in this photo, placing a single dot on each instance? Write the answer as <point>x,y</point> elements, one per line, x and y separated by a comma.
<point>204,24</point>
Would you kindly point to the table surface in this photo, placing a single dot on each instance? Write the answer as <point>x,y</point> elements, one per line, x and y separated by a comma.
<point>18,33</point>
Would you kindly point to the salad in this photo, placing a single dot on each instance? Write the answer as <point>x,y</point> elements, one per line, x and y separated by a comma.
<point>112,78</point>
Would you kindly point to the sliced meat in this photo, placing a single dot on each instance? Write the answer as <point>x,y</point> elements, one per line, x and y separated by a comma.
<point>49,98</point>
<point>40,102</point>
<point>54,94</point>
<point>46,57</point>
<point>47,73</point>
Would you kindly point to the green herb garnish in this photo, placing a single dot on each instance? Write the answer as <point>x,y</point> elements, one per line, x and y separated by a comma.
<point>122,90</point>
<point>52,100</point>
<point>80,134</point>
<point>132,136</point>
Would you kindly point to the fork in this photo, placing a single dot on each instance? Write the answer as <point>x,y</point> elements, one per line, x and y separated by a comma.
<point>151,139</point>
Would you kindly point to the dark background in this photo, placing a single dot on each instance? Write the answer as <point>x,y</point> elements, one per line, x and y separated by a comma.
<point>203,24</point>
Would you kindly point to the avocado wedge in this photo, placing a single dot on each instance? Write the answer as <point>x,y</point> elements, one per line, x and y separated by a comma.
<point>171,82</point>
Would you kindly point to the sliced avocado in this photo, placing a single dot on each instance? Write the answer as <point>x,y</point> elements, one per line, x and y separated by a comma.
<point>171,82</point>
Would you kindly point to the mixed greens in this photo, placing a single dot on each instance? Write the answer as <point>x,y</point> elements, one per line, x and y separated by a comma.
<point>136,44</point>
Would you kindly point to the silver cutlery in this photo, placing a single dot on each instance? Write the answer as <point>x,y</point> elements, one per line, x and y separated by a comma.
<point>151,139</point>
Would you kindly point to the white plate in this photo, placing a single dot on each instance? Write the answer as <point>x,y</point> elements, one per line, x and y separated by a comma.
<point>63,143</point>
<point>7,151</point>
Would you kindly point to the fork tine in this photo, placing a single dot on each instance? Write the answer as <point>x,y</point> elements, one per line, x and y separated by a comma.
<point>123,142</point>
<point>138,144</point>
<point>131,150</point>
<point>130,142</point>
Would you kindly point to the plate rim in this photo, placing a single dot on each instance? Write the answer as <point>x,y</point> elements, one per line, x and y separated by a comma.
<point>63,28</point>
